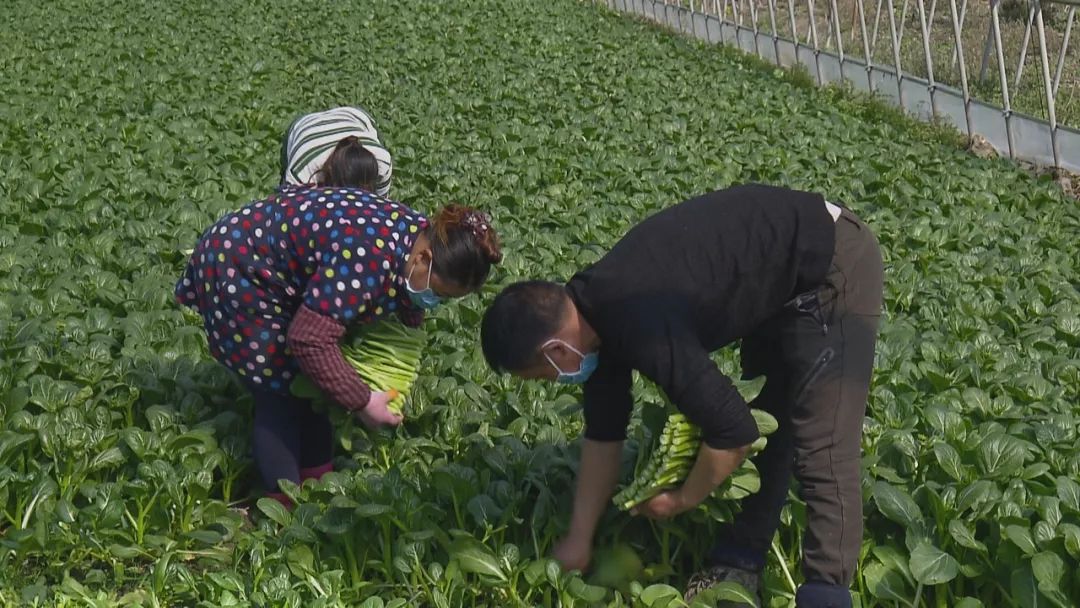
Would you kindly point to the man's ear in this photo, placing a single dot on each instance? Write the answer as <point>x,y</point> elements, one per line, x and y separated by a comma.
<point>556,350</point>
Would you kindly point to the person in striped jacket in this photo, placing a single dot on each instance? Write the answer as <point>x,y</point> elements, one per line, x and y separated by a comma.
<point>338,147</point>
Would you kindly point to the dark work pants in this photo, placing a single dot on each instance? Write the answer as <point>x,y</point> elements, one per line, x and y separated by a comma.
<point>289,436</point>
<point>817,358</point>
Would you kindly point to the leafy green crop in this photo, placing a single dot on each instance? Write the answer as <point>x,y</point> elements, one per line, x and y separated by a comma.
<point>668,448</point>
<point>387,356</point>
<point>128,126</point>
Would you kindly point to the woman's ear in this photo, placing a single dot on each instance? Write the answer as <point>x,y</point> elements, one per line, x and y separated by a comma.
<point>424,253</point>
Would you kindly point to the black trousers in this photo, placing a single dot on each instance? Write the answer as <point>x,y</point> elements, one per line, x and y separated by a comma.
<point>289,436</point>
<point>817,358</point>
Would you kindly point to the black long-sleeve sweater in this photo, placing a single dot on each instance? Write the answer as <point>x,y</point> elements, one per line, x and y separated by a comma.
<point>690,280</point>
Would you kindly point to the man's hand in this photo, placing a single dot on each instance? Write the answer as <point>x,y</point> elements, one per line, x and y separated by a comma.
<point>663,506</point>
<point>573,552</point>
<point>377,414</point>
<point>597,475</point>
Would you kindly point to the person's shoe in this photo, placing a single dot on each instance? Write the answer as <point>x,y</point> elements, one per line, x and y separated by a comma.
<point>315,472</point>
<point>814,594</point>
<point>714,575</point>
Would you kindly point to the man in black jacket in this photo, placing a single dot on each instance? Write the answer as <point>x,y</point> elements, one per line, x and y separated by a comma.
<point>799,281</point>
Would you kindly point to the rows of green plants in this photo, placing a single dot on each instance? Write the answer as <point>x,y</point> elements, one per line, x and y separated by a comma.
<point>128,126</point>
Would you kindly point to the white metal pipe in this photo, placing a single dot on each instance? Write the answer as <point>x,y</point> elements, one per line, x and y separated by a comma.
<point>984,64</point>
<point>839,34</point>
<point>794,28</point>
<point>932,85</point>
<point>1023,50</point>
<point>866,45</point>
<point>1064,49</point>
<point>903,20</point>
<point>754,19</point>
<point>877,21</point>
<point>959,43</point>
<point>995,23</point>
<point>896,55</point>
<point>721,14</point>
<point>1047,84</point>
<point>963,68</point>
<point>817,48</point>
<point>775,33</point>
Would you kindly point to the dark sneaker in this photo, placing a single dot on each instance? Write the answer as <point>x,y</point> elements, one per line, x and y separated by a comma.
<point>713,575</point>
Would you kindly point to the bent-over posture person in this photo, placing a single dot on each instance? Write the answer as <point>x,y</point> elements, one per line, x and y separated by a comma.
<point>279,281</point>
<point>337,147</point>
<point>799,281</point>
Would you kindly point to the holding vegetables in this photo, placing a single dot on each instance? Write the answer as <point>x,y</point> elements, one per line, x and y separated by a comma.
<point>798,281</point>
<point>387,357</point>
<point>667,464</point>
<point>278,282</point>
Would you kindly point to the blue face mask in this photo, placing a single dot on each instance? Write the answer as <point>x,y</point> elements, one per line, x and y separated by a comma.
<point>424,298</point>
<point>588,365</point>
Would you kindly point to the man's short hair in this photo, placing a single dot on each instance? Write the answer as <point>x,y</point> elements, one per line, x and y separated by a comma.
<point>523,316</point>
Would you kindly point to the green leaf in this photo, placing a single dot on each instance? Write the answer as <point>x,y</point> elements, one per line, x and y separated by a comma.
<point>1021,537</point>
<point>110,457</point>
<point>65,511</point>
<point>932,566</point>
<point>1049,569</point>
<point>1000,456</point>
<point>975,495</point>
<point>964,536</point>
<point>1068,491</point>
<point>274,510</point>
<point>949,459</point>
<point>124,552</point>
<point>206,537</point>
<point>1024,588</point>
<point>373,510</point>
<point>722,593</point>
<point>897,505</point>
<point>1071,534</point>
<point>474,557</point>
<point>893,559</point>
<point>336,521</point>
<point>968,602</point>
<point>484,510</point>
<point>886,584</point>
<point>579,589</point>
<point>659,596</point>
<point>535,571</point>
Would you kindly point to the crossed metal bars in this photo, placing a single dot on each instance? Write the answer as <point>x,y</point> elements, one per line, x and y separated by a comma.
<point>742,23</point>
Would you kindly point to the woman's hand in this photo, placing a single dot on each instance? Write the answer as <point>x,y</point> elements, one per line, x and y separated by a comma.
<point>377,414</point>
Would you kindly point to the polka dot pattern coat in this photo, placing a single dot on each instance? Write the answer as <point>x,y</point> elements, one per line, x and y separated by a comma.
<point>339,251</point>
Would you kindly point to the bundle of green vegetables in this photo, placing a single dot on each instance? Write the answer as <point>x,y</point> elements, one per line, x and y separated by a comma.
<point>666,456</point>
<point>386,355</point>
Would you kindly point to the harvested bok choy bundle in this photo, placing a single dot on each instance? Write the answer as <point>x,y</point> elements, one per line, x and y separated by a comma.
<point>386,355</point>
<point>666,455</point>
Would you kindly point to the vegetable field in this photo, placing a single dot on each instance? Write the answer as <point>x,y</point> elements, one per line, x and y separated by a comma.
<point>127,127</point>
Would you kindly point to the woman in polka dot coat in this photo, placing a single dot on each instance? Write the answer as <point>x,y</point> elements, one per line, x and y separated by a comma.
<point>278,281</point>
